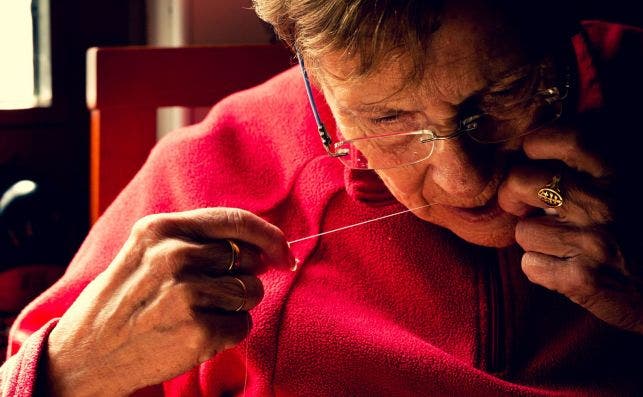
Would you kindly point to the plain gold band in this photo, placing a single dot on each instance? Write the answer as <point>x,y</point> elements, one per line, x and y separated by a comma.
<point>234,256</point>
<point>245,294</point>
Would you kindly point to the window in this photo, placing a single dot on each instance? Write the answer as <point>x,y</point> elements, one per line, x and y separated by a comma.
<point>25,77</point>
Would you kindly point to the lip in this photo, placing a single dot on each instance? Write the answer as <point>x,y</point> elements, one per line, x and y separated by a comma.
<point>477,214</point>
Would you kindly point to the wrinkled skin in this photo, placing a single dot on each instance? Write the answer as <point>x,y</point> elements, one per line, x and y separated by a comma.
<point>487,194</point>
<point>165,304</point>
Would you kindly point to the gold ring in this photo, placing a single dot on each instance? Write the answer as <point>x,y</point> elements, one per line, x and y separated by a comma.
<point>245,294</point>
<point>234,256</point>
<point>550,194</point>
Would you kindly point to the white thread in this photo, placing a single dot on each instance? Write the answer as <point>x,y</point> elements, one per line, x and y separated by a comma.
<point>245,381</point>
<point>359,223</point>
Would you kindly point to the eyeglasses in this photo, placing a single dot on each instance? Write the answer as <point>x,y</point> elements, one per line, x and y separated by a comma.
<point>509,121</point>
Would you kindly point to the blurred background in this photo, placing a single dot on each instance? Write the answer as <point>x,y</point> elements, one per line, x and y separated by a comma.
<point>44,122</point>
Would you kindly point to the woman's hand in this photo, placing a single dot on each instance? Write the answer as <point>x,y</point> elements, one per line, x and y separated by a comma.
<point>580,249</point>
<point>166,303</point>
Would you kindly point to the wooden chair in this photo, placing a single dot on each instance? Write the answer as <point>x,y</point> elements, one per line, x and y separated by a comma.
<point>126,85</point>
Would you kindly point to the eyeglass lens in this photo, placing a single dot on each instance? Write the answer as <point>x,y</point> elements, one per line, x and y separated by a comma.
<point>497,129</point>
<point>388,151</point>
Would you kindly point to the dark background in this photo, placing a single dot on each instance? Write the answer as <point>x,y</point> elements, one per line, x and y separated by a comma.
<point>50,145</point>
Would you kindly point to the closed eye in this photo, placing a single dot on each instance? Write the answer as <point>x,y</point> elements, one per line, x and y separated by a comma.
<point>386,119</point>
<point>396,118</point>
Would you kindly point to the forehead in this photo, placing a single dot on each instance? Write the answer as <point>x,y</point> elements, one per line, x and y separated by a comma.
<point>465,54</point>
<point>383,85</point>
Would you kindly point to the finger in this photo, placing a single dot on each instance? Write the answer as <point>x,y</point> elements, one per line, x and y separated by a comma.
<point>607,294</point>
<point>583,205</point>
<point>558,274</point>
<point>517,194</point>
<point>564,143</point>
<point>177,257</point>
<point>228,293</point>
<point>546,235</point>
<point>217,258</point>
<point>206,224</point>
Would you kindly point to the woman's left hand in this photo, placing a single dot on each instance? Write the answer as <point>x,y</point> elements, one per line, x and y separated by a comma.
<point>582,249</point>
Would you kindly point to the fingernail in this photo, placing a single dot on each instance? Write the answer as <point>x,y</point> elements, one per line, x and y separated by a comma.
<point>291,259</point>
<point>550,211</point>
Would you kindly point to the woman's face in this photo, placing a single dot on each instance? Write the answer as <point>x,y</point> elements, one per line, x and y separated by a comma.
<point>466,55</point>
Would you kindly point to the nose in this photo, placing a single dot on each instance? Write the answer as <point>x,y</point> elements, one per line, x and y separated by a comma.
<point>461,168</point>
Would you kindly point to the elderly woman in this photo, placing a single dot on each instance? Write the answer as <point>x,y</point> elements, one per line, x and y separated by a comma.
<point>508,134</point>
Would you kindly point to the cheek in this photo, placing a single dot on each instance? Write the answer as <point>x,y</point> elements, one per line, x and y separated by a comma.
<point>346,129</point>
<point>407,184</point>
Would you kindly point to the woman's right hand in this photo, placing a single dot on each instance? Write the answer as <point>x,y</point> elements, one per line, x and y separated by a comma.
<point>165,304</point>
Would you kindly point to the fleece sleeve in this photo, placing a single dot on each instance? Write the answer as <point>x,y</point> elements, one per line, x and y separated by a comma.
<point>19,373</point>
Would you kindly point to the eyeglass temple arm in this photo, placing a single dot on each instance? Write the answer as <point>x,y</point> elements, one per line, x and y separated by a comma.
<point>321,129</point>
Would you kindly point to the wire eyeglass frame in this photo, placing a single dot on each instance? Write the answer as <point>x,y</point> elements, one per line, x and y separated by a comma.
<point>550,96</point>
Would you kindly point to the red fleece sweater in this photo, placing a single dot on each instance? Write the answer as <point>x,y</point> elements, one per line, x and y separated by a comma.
<point>399,307</point>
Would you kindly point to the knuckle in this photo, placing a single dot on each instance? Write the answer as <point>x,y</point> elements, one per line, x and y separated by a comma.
<point>596,247</point>
<point>149,226</point>
<point>203,300</point>
<point>198,340</point>
<point>250,260</point>
<point>180,253</point>
<point>569,149</point>
<point>515,181</point>
<point>581,283</point>
<point>568,239</point>
<point>165,256</point>
<point>567,235</point>
<point>523,232</point>
<point>237,218</point>
<point>182,296</point>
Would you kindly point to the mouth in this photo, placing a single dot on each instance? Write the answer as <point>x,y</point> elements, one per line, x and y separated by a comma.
<point>477,214</point>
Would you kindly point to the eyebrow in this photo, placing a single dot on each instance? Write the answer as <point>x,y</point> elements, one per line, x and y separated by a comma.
<point>373,108</point>
<point>510,79</point>
<point>503,82</point>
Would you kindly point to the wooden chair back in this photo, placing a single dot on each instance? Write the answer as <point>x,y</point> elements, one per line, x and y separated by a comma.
<point>126,86</point>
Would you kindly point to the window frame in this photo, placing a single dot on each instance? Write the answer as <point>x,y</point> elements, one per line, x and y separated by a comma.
<point>56,111</point>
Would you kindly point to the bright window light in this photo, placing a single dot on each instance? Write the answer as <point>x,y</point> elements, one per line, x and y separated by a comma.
<point>24,61</point>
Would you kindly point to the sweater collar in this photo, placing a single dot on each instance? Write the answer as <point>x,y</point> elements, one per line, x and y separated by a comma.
<point>589,90</point>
